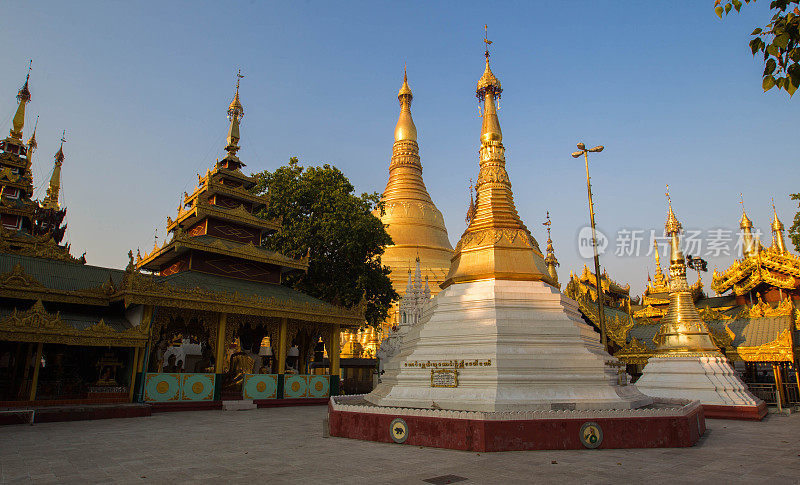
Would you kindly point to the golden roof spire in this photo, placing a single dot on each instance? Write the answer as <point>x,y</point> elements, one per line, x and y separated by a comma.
<point>746,225</point>
<point>682,330</point>
<point>51,200</point>
<point>23,97</point>
<point>405,128</point>
<point>777,231</point>
<point>32,144</point>
<point>235,114</point>
<point>550,260</point>
<point>496,244</point>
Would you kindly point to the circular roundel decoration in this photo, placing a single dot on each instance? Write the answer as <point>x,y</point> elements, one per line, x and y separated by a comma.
<point>318,386</point>
<point>261,386</point>
<point>162,387</point>
<point>591,435</point>
<point>398,430</point>
<point>197,387</point>
<point>295,386</point>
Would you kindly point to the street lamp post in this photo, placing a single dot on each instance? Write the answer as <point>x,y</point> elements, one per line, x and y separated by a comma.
<point>582,150</point>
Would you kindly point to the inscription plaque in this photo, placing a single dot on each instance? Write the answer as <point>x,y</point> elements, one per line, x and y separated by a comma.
<point>444,378</point>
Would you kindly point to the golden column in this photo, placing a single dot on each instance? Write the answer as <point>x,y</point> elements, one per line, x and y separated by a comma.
<point>219,359</point>
<point>335,347</point>
<point>283,336</point>
<point>134,368</point>
<point>682,330</point>
<point>411,218</point>
<point>37,363</point>
<point>496,244</point>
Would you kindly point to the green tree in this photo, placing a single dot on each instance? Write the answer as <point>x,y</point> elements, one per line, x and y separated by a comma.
<point>321,215</point>
<point>778,41</point>
<point>794,231</point>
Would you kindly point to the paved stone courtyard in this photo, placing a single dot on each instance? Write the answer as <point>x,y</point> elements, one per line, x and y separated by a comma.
<point>285,445</point>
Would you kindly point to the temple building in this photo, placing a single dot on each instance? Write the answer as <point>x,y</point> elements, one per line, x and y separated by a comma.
<point>200,318</point>
<point>411,218</point>
<point>752,319</point>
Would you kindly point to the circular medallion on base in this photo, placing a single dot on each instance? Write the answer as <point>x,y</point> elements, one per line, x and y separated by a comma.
<point>398,430</point>
<point>591,435</point>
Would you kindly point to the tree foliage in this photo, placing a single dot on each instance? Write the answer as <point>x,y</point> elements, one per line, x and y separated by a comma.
<point>321,215</point>
<point>778,41</point>
<point>794,231</point>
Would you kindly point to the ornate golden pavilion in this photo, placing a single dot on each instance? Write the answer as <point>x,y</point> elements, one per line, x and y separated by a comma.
<point>71,332</point>
<point>753,319</point>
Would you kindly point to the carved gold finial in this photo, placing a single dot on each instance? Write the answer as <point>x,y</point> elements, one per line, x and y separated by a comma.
<point>777,231</point>
<point>23,97</point>
<point>471,208</point>
<point>745,222</point>
<point>51,200</point>
<point>672,226</point>
<point>235,114</point>
<point>550,260</point>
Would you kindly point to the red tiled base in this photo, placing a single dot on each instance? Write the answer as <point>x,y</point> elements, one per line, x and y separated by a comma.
<point>275,403</point>
<point>535,434</point>
<point>749,413</point>
<point>77,413</point>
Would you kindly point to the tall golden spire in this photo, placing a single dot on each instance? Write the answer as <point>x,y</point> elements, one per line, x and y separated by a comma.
<point>747,235</point>
<point>51,200</point>
<point>659,284</point>
<point>550,260</point>
<point>777,231</point>
<point>496,244</point>
<point>410,216</point>
<point>235,114</point>
<point>23,97</point>
<point>682,330</point>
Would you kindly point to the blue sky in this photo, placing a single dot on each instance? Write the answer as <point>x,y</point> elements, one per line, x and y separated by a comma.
<point>670,90</point>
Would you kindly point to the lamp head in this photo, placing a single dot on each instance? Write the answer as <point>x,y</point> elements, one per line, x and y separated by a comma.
<point>598,148</point>
<point>581,146</point>
<point>576,154</point>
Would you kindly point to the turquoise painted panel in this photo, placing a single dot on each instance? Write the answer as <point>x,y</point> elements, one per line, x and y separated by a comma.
<point>260,386</point>
<point>295,386</point>
<point>197,387</point>
<point>161,387</point>
<point>319,386</point>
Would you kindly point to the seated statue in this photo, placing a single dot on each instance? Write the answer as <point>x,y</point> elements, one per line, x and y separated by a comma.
<point>241,363</point>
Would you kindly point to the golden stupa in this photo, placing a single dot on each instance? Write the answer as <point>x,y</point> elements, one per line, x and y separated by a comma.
<point>682,329</point>
<point>496,244</point>
<point>411,218</point>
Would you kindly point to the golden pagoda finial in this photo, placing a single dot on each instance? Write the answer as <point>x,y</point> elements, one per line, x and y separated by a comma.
<point>32,144</point>
<point>23,97</point>
<point>748,244</point>
<point>777,231</point>
<point>405,128</point>
<point>682,330</point>
<point>496,243</point>
<point>51,200</point>
<point>235,114</point>
<point>672,226</point>
<point>471,209</point>
<point>550,260</point>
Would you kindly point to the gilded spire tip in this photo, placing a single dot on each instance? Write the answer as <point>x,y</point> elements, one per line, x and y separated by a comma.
<point>672,226</point>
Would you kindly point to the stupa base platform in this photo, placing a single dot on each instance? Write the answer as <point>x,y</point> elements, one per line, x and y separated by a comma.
<point>747,413</point>
<point>667,423</point>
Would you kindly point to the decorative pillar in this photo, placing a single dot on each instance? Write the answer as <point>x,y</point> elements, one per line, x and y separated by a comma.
<point>779,391</point>
<point>333,358</point>
<point>219,359</point>
<point>333,354</point>
<point>37,363</point>
<point>283,336</point>
<point>134,369</point>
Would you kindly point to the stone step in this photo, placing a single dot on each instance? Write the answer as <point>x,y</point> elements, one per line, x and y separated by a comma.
<point>239,405</point>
